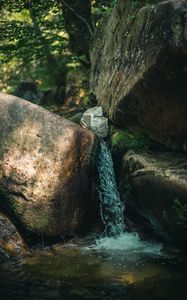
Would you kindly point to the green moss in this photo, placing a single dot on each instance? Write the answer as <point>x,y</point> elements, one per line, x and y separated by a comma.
<point>177,214</point>
<point>124,140</point>
<point>76,118</point>
<point>180,210</point>
<point>165,216</point>
<point>141,3</point>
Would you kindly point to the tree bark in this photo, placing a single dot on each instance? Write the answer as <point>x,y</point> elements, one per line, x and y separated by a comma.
<point>77,17</point>
<point>59,75</point>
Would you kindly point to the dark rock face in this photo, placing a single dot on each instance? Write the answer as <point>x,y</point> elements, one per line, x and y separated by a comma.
<point>44,165</point>
<point>11,243</point>
<point>139,69</point>
<point>157,184</point>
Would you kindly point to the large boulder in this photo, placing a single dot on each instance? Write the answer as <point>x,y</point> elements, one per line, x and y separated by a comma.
<point>44,165</point>
<point>139,69</point>
<point>155,190</point>
<point>11,243</point>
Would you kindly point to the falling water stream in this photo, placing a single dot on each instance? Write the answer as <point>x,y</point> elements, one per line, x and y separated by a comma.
<point>111,207</point>
<point>112,212</point>
<point>117,265</point>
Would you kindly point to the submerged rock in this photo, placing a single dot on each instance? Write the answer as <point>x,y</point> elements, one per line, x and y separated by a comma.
<point>11,243</point>
<point>94,120</point>
<point>157,185</point>
<point>45,162</point>
<point>139,69</point>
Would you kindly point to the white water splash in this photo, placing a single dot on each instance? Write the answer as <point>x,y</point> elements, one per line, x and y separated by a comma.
<point>111,208</point>
<point>128,242</point>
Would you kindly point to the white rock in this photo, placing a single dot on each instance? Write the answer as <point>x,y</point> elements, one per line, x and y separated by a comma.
<point>96,111</point>
<point>94,120</point>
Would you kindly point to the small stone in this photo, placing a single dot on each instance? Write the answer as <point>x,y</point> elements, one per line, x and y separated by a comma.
<point>96,111</point>
<point>94,120</point>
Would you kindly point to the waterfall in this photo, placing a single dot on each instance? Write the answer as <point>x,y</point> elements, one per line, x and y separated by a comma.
<point>112,214</point>
<point>111,208</point>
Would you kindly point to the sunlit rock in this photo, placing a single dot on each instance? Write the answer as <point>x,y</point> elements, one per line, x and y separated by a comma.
<point>44,173</point>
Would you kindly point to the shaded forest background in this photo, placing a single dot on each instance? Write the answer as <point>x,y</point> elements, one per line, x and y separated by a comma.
<point>44,48</point>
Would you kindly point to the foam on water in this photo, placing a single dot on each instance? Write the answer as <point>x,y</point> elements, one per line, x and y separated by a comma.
<point>128,242</point>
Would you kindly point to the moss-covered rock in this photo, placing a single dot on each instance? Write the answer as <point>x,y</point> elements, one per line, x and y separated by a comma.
<point>11,243</point>
<point>124,140</point>
<point>76,118</point>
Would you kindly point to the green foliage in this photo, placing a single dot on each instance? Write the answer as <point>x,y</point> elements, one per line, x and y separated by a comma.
<point>33,44</point>
<point>124,140</point>
<point>101,8</point>
<point>76,118</point>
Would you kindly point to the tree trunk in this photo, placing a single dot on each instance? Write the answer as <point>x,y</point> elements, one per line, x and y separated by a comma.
<point>77,17</point>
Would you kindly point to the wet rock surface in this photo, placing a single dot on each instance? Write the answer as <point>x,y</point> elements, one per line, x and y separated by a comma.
<point>44,168</point>
<point>155,188</point>
<point>139,63</point>
<point>11,243</point>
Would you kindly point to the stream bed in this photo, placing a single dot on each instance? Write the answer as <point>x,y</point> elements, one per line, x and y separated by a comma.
<point>108,268</point>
